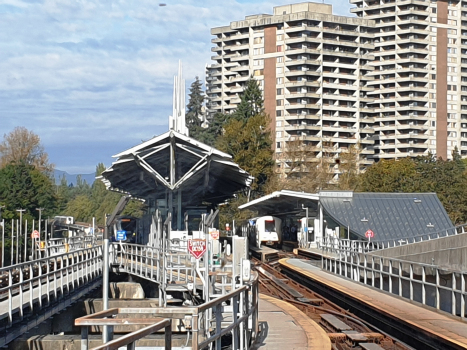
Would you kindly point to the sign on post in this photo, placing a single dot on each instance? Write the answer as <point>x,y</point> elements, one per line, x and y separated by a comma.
<point>35,234</point>
<point>214,233</point>
<point>121,235</point>
<point>197,247</point>
<point>369,234</point>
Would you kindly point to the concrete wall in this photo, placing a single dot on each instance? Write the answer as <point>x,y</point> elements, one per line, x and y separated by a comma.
<point>448,253</point>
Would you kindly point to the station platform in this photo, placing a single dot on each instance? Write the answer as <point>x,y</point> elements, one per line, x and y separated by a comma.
<point>283,326</point>
<point>439,329</point>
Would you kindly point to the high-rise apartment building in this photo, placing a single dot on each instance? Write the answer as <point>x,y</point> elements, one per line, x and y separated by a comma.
<point>314,68</point>
<point>390,79</point>
<point>420,75</point>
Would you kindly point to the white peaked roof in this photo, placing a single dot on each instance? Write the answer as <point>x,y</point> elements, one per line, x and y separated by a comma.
<point>173,161</point>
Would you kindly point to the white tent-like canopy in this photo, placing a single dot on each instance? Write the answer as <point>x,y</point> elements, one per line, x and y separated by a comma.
<point>171,163</point>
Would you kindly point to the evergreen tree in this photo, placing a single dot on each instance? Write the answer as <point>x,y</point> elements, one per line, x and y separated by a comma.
<point>194,112</point>
<point>214,129</point>
<point>251,101</point>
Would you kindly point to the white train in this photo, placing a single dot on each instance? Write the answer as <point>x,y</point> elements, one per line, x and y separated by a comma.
<point>263,230</point>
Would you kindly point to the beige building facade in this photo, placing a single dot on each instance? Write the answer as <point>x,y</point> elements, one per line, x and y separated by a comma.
<point>389,80</point>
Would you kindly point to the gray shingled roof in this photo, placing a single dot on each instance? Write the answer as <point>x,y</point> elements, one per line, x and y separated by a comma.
<point>389,215</point>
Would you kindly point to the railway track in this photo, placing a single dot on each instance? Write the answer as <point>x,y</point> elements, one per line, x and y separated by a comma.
<point>345,330</point>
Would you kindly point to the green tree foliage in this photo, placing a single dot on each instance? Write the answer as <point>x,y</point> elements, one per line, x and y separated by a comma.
<point>214,129</point>
<point>446,178</point>
<point>194,114</point>
<point>251,102</point>
<point>250,144</point>
<point>22,186</point>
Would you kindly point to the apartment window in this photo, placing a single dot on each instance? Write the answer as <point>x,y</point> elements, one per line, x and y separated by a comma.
<point>432,95</point>
<point>433,85</point>
<point>278,123</point>
<point>452,50</point>
<point>279,80</point>
<point>278,145</point>
<point>258,51</point>
<point>451,116</point>
<point>452,41</point>
<point>279,59</point>
<point>434,29</point>
<point>433,104</point>
<point>278,113</point>
<point>279,70</point>
<point>433,58</point>
<point>280,48</point>
<point>433,10</point>
<point>433,76</point>
<point>452,21</point>
<point>279,92</point>
<point>259,72</point>
<point>279,102</point>
<point>452,31</point>
<point>279,37</point>
<point>258,40</point>
<point>452,87</point>
<point>258,62</point>
<point>433,123</point>
<point>452,59</point>
<point>278,134</point>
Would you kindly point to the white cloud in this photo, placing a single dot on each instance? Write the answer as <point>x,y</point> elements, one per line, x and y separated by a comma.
<point>100,72</point>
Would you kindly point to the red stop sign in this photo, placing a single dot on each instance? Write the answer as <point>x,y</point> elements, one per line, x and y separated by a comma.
<point>369,234</point>
<point>197,247</point>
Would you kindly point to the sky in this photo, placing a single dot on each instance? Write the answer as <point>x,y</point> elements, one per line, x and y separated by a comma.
<point>93,78</point>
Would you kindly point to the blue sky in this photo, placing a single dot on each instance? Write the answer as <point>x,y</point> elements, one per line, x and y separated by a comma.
<point>94,77</point>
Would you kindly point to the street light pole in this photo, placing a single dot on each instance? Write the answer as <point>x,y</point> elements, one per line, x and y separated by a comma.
<point>20,231</point>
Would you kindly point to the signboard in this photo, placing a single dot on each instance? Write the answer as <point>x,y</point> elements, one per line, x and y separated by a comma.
<point>35,234</point>
<point>214,233</point>
<point>369,234</point>
<point>121,235</point>
<point>197,247</point>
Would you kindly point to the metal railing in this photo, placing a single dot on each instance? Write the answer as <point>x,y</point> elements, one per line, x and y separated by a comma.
<point>337,245</point>
<point>423,283</point>
<point>235,313</point>
<point>28,284</point>
<point>130,339</point>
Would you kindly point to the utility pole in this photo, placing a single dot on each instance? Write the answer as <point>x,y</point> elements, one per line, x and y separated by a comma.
<point>20,231</point>
<point>40,232</point>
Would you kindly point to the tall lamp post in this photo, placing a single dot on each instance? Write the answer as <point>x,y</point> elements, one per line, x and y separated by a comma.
<point>20,231</point>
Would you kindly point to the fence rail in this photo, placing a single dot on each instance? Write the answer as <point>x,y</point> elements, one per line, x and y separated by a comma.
<point>26,286</point>
<point>235,313</point>
<point>423,283</point>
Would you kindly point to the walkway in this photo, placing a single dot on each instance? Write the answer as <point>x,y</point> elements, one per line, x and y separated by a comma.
<point>283,326</point>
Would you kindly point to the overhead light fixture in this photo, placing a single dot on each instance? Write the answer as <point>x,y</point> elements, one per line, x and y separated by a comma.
<point>417,200</point>
<point>364,219</point>
<point>430,225</point>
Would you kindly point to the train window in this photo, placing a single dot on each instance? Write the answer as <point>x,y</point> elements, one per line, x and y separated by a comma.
<point>269,226</point>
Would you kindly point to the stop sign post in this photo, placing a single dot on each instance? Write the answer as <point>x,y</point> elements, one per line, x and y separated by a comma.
<point>197,247</point>
<point>369,234</point>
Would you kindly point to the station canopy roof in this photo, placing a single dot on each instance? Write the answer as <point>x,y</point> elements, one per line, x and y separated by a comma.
<point>389,215</point>
<point>172,162</point>
<point>283,203</point>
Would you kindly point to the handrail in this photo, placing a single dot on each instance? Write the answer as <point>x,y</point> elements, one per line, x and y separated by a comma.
<point>131,338</point>
<point>244,304</point>
<point>427,284</point>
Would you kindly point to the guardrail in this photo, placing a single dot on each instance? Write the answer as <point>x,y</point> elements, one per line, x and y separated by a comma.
<point>28,284</point>
<point>337,245</point>
<point>423,283</point>
<point>235,312</point>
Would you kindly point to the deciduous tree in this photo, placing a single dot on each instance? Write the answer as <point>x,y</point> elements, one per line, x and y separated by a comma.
<point>24,146</point>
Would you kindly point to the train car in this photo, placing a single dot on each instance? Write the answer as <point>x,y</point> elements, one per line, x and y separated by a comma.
<point>263,230</point>
<point>127,225</point>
